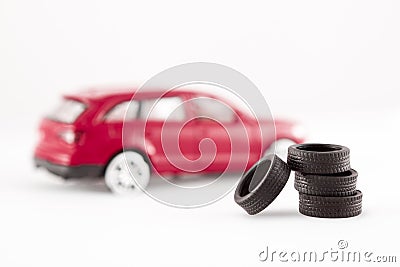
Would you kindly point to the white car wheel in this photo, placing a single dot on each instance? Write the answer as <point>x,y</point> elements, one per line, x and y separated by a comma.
<point>127,172</point>
<point>280,148</point>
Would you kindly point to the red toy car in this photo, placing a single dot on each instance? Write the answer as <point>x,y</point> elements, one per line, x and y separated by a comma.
<point>83,136</point>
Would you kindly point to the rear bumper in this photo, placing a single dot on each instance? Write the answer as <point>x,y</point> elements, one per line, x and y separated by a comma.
<point>70,171</point>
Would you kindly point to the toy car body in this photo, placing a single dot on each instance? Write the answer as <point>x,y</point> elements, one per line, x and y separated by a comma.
<point>84,135</point>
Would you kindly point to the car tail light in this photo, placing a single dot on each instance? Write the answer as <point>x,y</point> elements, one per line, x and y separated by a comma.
<point>70,137</point>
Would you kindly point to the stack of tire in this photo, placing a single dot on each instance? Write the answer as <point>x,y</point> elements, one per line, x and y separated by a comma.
<point>325,181</point>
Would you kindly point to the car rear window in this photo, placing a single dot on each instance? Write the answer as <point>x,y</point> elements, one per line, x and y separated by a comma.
<point>67,111</point>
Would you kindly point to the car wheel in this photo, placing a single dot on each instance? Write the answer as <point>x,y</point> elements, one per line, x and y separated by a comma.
<point>127,173</point>
<point>280,148</point>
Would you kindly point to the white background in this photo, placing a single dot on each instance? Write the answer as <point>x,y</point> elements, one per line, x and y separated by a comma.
<point>331,65</point>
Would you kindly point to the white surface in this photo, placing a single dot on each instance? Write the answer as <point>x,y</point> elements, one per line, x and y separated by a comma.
<point>340,58</point>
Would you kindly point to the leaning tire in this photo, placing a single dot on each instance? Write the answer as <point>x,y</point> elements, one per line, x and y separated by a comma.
<point>331,207</point>
<point>338,184</point>
<point>261,184</point>
<point>319,158</point>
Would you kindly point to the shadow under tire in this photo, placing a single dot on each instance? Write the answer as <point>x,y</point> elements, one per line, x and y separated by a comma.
<point>261,184</point>
<point>331,207</point>
<point>338,184</point>
<point>319,158</point>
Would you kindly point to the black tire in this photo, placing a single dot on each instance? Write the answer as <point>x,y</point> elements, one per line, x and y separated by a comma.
<point>331,207</point>
<point>261,184</point>
<point>319,158</point>
<point>337,184</point>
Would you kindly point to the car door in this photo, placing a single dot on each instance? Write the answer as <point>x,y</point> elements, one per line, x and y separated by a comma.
<point>106,134</point>
<point>168,142</point>
<point>219,122</point>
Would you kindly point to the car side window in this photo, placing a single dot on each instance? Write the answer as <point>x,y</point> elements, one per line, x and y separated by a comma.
<point>213,109</point>
<point>117,113</point>
<point>162,109</point>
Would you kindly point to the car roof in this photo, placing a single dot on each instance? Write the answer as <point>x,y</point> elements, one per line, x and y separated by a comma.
<point>105,94</point>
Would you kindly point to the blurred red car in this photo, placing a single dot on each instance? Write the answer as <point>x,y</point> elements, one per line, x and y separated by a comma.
<point>83,136</point>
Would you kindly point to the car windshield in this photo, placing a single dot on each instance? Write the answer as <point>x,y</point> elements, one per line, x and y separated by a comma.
<point>67,111</point>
